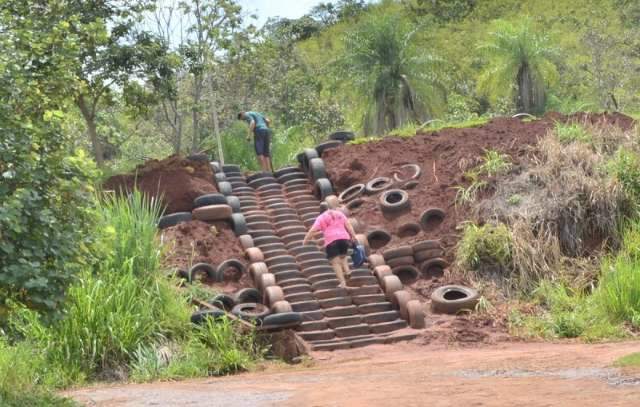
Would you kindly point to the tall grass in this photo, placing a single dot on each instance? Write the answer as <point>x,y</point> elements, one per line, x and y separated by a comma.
<point>124,306</point>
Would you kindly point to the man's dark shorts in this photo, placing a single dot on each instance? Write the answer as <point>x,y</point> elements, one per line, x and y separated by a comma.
<point>262,142</point>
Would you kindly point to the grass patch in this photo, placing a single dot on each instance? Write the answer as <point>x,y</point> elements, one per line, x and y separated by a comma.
<point>484,247</point>
<point>440,125</point>
<point>492,164</point>
<point>631,360</point>
<point>571,133</point>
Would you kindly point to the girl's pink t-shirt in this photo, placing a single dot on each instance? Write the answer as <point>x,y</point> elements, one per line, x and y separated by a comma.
<point>332,223</point>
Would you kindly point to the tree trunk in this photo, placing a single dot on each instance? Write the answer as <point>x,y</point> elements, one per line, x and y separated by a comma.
<point>216,124</point>
<point>89,116</point>
<point>524,90</point>
<point>197,91</point>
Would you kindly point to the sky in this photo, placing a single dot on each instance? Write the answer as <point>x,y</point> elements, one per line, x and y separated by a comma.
<point>278,8</point>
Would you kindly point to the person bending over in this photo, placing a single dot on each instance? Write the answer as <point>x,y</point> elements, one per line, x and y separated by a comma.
<point>259,127</point>
<point>338,237</point>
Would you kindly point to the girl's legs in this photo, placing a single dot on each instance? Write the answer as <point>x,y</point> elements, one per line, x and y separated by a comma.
<point>345,265</point>
<point>336,263</point>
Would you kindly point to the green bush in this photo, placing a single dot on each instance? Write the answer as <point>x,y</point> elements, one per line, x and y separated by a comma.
<point>570,133</point>
<point>482,247</point>
<point>625,166</point>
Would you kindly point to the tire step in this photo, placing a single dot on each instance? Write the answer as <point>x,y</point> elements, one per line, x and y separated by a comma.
<point>360,281</point>
<point>293,281</point>
<point>325,284</point>
<point>330,346</point>
<point>379,317</point>
<point>341,311</point>
<point>288,275</point>
<point>335,302</point>
<point>299,297</point>
<point>365,290</point>
<point>368,299</point>
<point>338,322</point>
<point>375,307</point>
<point>360,273</point>
<point>331,293</point>
<point>317,335</point>
<point>390,326</point>
<point>319,325</point>
<point>352,330</point>
<point>303,306</point>
<point>297,289</point>
<point>314,315</point>
<point>364,341</point>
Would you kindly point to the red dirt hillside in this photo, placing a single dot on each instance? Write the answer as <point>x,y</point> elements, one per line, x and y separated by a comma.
<point>444,156</point>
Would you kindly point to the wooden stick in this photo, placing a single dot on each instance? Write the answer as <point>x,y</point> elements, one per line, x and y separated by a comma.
<point>434,172</point>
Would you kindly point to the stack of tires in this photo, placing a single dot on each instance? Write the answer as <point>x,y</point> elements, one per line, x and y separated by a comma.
<point>313,166</point>
<point>402,263</point>
<point>429,255</point>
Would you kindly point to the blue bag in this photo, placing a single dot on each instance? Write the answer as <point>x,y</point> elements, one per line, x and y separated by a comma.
<point>358,256</point>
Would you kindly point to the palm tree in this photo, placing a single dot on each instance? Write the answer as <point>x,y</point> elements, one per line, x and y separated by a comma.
<point>398,81</point>
<point>519,56</point>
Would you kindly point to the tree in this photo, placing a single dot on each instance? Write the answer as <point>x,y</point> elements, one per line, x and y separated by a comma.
<point>400,82</point>
<point>110,54</point>
<point>45,187</point>
<point>518,58</point>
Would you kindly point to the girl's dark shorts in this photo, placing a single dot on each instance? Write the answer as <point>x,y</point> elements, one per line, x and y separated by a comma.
<point>337,248</point>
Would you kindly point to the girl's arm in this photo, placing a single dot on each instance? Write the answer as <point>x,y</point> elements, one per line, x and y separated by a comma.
<point>310,233</point>
<point>349,228</point>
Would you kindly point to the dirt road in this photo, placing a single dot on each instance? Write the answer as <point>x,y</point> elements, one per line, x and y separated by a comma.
<point>507,374</point>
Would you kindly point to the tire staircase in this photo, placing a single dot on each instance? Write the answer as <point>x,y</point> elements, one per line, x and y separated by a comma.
<point>278,210</point>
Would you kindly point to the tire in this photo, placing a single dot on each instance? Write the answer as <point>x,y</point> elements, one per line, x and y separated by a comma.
<point>288,179</point>
<point>408,230</point>
<point>317,169</point>
<point>380,272</point>
<point>355,204</point>
<point>266,280</point>
<point>247,295</point>
<point>400,300</point>
<point>431,219</point>
<point>246,241</point>
<point>407,273</point>
<point>201,158</point>
<point>394,200</point>
<point>234,203</point>
<point>254,255</point>
<point>258,175</point>
<point>280,307</point>
<point>256,270</point>
<point>286,170</point>
<point>409,185</point>
<point>426,245</point>
<point>352,192</point>
<point>416,314</point>
<point>414,168</point>
<point>451,299</point>
<point>376,260</point>
<point>273,294</point>
<point>223,301</point>
<point>400,251</point>
<point>378,239</point>
<point>378,185</point>
<point>274,261</point>
<point>322,147</point>
<point>428,254</point>
<point>231,263</point>
<point>209,199</point>
<point>215,167</point>
<point>322,188</point>
<point>308,154</point>
<point>343,136</point>
<point>231,168</point>
<point>219,177</point>
<point>400,261</point>
<point>391,285</point>
<point>173,219</point>
<point>212,213</point>
<point>202,268</point>
<point>285,320</point>
<point>199,317</point>
<point>238,224</point>
<point>250,311</point>
<point>434,267</point>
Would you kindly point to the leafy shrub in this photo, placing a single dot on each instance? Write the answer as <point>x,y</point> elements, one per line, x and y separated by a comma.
<point>571,133</point>
<point>484,247</point>
<point>625,166</point>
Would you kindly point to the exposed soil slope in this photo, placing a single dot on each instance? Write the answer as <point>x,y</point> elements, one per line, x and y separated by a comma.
<point>176,179</point>
<point>444,156</point>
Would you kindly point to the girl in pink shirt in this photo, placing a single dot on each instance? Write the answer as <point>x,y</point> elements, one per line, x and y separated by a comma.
<point>338,234</point>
